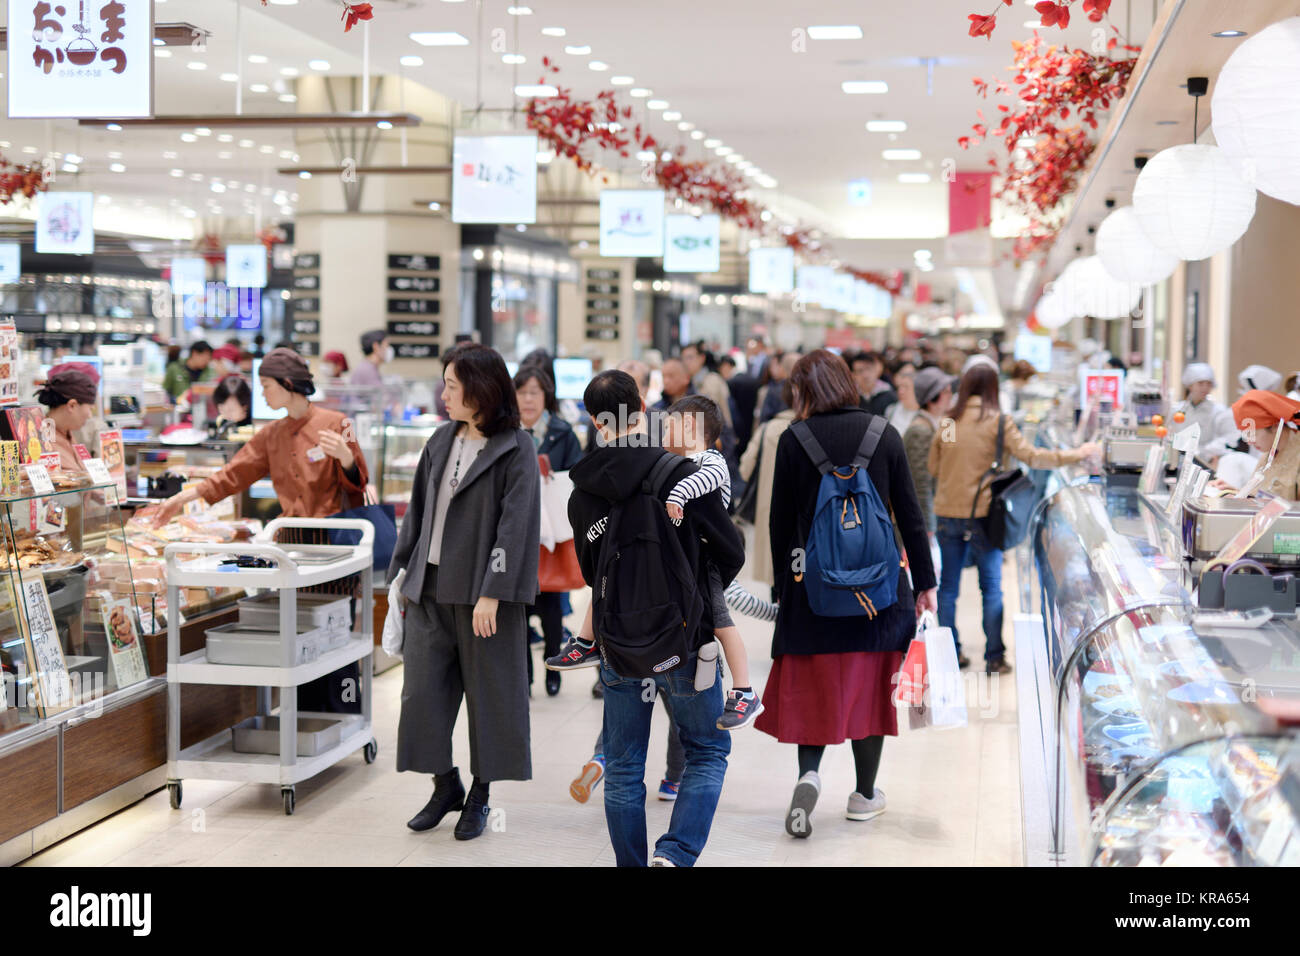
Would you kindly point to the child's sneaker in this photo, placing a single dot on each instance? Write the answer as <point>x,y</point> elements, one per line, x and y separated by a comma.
<point>592,774</point>
<point>668,789</point>
<point>740,710</point>
<point>574,654</point>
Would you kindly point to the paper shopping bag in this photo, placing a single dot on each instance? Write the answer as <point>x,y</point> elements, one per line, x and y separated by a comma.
<point>946,692</point>
<point>910,685</point>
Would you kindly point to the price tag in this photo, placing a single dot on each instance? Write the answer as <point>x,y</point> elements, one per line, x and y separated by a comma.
<point>51,461</point>
<point>82,451</point>
<point>98,471</point>
<point>39,476</point>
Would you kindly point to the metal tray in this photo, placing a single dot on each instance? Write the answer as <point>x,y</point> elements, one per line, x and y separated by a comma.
<point>326,611</point>
<point>234,644</point>
<point>317,733</point>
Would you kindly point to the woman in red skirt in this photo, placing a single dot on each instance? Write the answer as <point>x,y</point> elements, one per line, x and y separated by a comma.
<point>832,678</point>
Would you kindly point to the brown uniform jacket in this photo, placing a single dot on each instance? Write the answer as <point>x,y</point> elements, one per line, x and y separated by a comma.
<point>284,451</point>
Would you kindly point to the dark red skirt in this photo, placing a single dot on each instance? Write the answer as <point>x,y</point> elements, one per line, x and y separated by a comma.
<point>826,699</point>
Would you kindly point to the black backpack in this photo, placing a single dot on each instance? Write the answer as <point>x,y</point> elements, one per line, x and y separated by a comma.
<point>647,605</point>
<point>1014,497</point>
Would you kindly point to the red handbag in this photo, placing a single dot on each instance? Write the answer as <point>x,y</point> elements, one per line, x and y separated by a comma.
<point>558,570</point>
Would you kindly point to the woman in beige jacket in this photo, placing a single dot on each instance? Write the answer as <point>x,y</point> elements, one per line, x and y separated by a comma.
<point>961,453</point>
<point>764,441</point>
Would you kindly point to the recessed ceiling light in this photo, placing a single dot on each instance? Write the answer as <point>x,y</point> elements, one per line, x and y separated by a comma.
<point>287,98</point>
<point>520,11</point>
<point>321,65</point>
<point>901,154</point>
<point>114,127</point>
<point>712,143</point>
<point>639,92</point>
<point>553,31</point>
<point>685,127</point>
<point>412,61</point>
<point>886,126</point>
<point>513,58</point>
<point>269,149</point>
<point>835,33</point>
<point>113,155</point>
<point>1033,24</point>
<point>225,138</point>
<point>671,116</point>
<point>286,153</point>
<point>1167,122</point>
<point>289,71</point>
<point>259,88</point>
<point>578,50</point>
<point>177,173</point>
<point>535,90</point>
<point>202,131</point>
<point>189,138</point>
<point>257,58</point>
<point>621,80</point>
<point>304,175</point>
<point>600,66</point>
<point>767,182</point>
<point>864,86</point>
<point>657,105</point>
<point>217,187</point>
<point>435,206</point>
<point>225,154</point>
<point>723,150</point>
<point>698,134</point>
<point>246,143</point>
<point>734,158</point>
<point>77,160</point>
<point>439,38</point>
<point>383,124</point>
<point>1228,34</point>
<point>913,178</point>
<point>159,41</point>
<point>117,167</point>
<point>196,177</point>
<point>161,53</point>
<point>230,77</point>
<point>196,65</point>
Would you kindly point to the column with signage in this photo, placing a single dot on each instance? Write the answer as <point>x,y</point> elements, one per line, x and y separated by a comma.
<point>415,304</point>
<point>607,306</point>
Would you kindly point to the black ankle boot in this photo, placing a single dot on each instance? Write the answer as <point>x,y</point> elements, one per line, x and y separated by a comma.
<point>474,818</point>
<point>448,795</point>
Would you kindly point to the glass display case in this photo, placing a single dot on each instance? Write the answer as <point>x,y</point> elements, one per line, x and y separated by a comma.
<point>403,445</point>
<point>1161,740</point>
<point>69,633</point>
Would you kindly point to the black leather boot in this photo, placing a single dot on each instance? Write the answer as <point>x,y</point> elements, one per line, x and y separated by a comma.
<point>448,795</point>
<point>474,818</point>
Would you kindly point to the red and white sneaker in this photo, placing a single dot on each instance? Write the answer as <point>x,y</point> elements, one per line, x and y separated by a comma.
<point>573,655</point>
<point>740,710</point>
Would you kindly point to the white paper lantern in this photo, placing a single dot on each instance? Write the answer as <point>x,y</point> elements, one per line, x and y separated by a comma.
<point>1126,252</point>
<point>1191,203</point>
<point>1051,310</point>
<point>1256,113</point>
<point>1092,291</point>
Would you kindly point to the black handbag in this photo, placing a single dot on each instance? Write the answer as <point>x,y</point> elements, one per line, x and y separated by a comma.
<point>1014,496</point>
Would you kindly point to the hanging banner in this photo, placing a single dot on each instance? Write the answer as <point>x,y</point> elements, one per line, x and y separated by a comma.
<point>970,202</point>
<point>246,267</point>
<point>83,59</point>
<point>494,178</point>
<point>815,284</point>
<point>65,224</point>
<point>632,222</point>
<point>842,290</point>
<point>771,271</point>
<point>692,243</point>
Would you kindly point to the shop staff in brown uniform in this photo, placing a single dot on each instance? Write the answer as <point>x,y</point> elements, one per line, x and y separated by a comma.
<point>315,470</point>
<point>71,393</point>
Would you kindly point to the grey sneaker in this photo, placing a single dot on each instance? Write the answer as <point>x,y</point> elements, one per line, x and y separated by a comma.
<point>860,808</point>
<point>662,861</point>
<point>798,821</point>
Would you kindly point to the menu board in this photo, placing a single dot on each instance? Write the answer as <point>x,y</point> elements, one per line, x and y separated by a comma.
<point>9,361</point>
<point>51,683</point>
<point>408,273</point>
<point>114,455</point>
<point>124,654</point>
<point>306,277</point>
<point>602,302</point>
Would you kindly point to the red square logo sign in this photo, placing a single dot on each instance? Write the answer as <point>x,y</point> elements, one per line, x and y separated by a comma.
<point>467,169</point>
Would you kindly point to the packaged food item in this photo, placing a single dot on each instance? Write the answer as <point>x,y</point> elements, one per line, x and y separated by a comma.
<point>10,467</point>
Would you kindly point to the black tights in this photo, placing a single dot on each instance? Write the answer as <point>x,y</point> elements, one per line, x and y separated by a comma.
<point>866,758</point>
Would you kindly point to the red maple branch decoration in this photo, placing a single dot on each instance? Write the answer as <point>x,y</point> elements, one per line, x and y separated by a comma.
<point>21,180</point>
<point>352,12</point>
<point>1051,13</point>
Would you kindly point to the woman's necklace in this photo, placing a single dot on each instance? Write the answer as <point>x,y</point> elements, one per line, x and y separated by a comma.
<point>455,475</point>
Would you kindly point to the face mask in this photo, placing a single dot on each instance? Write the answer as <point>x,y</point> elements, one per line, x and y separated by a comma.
<point>389,354</point>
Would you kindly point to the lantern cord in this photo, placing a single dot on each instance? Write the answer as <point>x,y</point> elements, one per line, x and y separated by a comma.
<point>1196,118</point>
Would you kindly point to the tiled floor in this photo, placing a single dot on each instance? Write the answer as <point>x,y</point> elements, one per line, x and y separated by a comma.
<point>954,797</point>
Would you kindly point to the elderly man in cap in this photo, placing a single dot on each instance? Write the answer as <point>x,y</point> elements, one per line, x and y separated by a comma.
<point>377,351</point>
<point>312,458</point>
<point>1198,408</point>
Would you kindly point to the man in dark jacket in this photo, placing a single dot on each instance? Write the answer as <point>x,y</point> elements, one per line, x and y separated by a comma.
<point>610,473</point>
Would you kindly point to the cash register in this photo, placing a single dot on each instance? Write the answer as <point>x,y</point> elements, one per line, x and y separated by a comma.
<point>1266,552</point>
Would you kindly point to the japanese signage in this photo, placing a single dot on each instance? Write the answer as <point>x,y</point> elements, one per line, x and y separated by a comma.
<point>413,328</point>
<point>1097,386</point>
<point>65,221</point>
<point>771,271</point>
<point>11,267</point>
<point>414,306</point>
<point>305,305</point>
<point>88,58</point>
<point>9,358</point>
<point>53,686</point>
<point>306,326</point>
<point>125,656</point>
<point>692,243</point>
<point>602,304</point>
<point>632,222</point>
<point>306,282</point>
<point>246,266</point>
<point>415,350</point>
<point>494,178</point>
<point>1035,349</point>
<point>307,260</point>
<point>413,283</point>
<point>414,263</point>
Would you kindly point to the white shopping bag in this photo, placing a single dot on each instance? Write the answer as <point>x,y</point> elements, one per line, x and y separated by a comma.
<point>395,620</point>
<point>945,690</point>
<point>557,488</point>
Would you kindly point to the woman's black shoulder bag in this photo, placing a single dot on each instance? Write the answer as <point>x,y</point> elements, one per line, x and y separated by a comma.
<point>1014,497</point>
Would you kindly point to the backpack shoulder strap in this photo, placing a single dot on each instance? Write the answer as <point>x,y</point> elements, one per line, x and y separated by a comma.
<point>871,439</point>
<point>1002,432</point>
<point>812,447</point>
<point>659,474</point>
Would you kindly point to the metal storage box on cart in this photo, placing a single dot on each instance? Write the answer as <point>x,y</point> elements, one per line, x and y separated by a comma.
<point>317,733</point>
<point>325,611</point>
<point>238,644</point>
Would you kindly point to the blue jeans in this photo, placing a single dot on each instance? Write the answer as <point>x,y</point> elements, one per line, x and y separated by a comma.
<point>959,537</point>
<point>628,706</point>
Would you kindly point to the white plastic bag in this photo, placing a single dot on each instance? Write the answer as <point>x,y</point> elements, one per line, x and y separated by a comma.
<point>945,689</point>
<point>395,620</point>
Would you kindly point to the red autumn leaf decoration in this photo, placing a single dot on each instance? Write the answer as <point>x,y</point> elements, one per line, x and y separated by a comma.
<point>982,26</point>
<point>1052,13</point>
<point>25,181</point>
<point>352,13</point>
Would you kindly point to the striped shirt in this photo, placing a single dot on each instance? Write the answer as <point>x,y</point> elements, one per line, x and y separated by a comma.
<point>712,476</point>
<point>750,605</point>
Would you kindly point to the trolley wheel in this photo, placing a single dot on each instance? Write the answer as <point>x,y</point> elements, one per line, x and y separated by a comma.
<point>371,751</point>
<point>287,794</point>
<point>174,794</point>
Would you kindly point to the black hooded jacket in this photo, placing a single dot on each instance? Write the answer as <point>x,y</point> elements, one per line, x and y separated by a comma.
<point>610,474</point>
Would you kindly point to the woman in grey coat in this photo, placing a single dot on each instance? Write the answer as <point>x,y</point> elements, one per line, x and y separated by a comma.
<point>469,544</point>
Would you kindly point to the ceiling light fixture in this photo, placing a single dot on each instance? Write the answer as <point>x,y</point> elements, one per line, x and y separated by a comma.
<point>289,71</point>
<point>835,33</point>
<point>857,87</point>
<point>114,127</point>
<point>513,59</point>
<point>117,167</point>
<point>600,66</point>
<point>196,65</point>
<point>886,126</point>
<point>229,77</point>
<point>259,88</point>
<point>901,154</point>
<point>712,143</point>
<point>657,105</point>
<point>578,50</point>
<point>913,178</point>
<point>258,58</point>
<point>621,80</point>
<point>671,116</point>
<point>520,11</point>
<point>321,65</point>
<point>439,38</point>
<point>697,134</point>
<point>1229,34</point>
<point>553,31</point>
<point>412,61</point>
<point>162,54</point>
<point>535,90</point>
<point>639,92</point>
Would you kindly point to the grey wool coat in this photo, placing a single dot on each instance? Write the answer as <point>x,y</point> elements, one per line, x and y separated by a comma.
<point>493,524</point>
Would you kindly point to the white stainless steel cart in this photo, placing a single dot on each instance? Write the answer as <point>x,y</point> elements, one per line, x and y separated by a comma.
<point>293,567</point>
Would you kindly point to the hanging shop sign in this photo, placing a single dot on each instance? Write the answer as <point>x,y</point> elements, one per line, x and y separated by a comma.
<point>306,326</point>
<point>842,292</point>
<point>692,243</point>
<point>494,178</point>
<point>65,223</point>
<point>246,266</point>
<point>11,263</point>
<point>413,328</point>
<point>632,222</point>
<point>91,58</point>
<point>414,283</point>
<point>415,306</point>
<point>1036,350</point>
<point>401,262</point>
<point>771,271</point>
<point>416,350</point>
<point>307,260</point>
<point>189,275</point>
<point>815,284</point>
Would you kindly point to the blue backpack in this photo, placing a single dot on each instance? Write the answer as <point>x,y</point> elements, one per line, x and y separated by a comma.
<point>851,560</point>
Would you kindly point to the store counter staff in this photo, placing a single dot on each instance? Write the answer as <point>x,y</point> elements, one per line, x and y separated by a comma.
<point>1269,421</point>
<point>316,472</point>
<point>70,394</point>
<point>1199,409</point>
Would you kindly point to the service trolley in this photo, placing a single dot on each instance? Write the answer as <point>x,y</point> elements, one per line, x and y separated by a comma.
<point>291,567</point>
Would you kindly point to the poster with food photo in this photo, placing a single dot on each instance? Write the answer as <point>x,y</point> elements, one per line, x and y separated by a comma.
<point>124,653</point>
<point>8,363</point>
<point>113,453</point>
<point>25,428</point>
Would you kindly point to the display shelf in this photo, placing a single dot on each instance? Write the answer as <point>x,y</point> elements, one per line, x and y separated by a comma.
<point>195,669</point>
<point>216,759</point>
